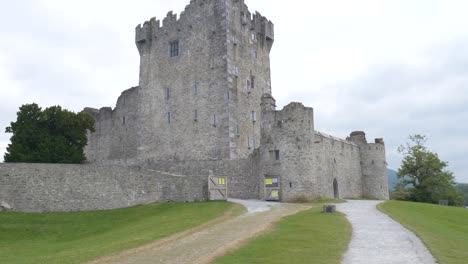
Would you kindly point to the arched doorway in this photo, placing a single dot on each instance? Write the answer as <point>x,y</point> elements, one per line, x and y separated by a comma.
<point>335,189</point>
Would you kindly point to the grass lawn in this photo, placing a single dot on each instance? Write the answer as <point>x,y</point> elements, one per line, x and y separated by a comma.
<point>443,229</point>
<point>78,237</point>
<point>307,237</point>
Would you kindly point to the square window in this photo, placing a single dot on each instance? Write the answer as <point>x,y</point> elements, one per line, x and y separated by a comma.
<point>174,48</point>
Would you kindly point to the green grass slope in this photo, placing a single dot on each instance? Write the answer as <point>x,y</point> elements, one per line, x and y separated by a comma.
<point>78,237</point>
<point>443,229</point>
<point>306,237</point>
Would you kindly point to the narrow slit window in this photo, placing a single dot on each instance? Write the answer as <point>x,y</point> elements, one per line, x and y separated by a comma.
<point>254,116</point>
<point>195,115</point>
<point>252,82</point>
<point>237,130</point>
<point>168,117</point>
<point>248,142</point>
<point>195,89</point>
<point>277,155</point>
<point>254,143</point>
<point>214,120</point>
<point>174,48</point>
<point>168,93</point>
<point>123,120</point>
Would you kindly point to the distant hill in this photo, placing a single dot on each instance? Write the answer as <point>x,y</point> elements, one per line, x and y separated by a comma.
<point>392,179</point>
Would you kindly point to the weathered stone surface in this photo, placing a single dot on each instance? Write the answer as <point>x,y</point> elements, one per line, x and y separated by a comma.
<point>5,207</point>
<point>62,188</point>
<point>329,208</point>
<point>208,108</point>
<point>217,95</point>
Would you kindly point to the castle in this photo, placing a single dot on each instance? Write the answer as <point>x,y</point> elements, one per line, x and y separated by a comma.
<point>205,97</point>
<point>202,124</point>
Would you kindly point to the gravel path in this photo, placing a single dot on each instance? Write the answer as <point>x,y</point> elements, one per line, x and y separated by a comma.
<point>379,239</point>
<point>205,244</point>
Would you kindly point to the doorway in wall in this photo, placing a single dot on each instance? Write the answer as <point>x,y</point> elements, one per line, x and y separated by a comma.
<point>335,189</point>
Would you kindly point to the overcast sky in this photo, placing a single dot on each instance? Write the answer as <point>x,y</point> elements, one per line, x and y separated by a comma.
<point>389,67</point>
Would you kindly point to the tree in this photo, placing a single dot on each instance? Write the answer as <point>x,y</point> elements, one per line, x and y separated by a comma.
<point>463,188</point>
<point>52,135</point>
<point>424,175</point>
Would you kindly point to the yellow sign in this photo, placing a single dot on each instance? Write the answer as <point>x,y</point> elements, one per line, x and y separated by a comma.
<point>274,193</point>
<point>221,181</point>
<point>268,181</point>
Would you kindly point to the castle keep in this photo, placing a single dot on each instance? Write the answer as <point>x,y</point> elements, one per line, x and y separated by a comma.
<point>205,97</point>
<point>203,108</point>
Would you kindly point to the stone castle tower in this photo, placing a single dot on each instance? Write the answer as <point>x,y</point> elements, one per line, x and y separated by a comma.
<point>204,105</point>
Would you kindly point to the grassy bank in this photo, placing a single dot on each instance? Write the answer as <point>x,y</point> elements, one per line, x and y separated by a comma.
<point>77,237</point>
<point>443,229</point>
<point>306,237</point>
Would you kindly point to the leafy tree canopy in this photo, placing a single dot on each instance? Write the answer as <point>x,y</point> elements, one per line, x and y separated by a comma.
<point>426,175</point>
<point>463,187</point>
<point>52,135</point>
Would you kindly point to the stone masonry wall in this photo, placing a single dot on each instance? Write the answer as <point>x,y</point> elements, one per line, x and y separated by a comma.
<point>183,104</point>
<point>63,188</point>
<point>309,161</point>
<point>115,139</point>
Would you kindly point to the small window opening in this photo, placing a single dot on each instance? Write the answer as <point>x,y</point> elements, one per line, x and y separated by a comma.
<point>214,120</point>
<point>169,117</point>
<point>237,130</point>
<point>254,143</point>
<point>248,142</point>
<point>290,184</point>
<point>168,93</point>
<point>248,86</point>
<point>195,89</point>
<point>254,116</point>
<point>252,82</point>
<point>274,155</point>
<point>123,120</point>
<point>195,115</point>
<point>174,48</point>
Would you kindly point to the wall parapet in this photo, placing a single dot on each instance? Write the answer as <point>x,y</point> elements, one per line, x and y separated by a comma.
<point>66,188</point>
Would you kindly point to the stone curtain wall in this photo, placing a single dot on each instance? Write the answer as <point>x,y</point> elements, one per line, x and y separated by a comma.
<point>64,188</point>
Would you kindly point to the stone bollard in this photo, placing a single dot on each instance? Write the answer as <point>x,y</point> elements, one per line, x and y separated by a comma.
<point>329,208</point>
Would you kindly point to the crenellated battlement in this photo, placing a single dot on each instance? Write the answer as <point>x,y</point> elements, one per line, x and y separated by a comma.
<point>146,32</point>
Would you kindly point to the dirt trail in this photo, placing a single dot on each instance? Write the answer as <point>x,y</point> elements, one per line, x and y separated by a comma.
<point>202,245</point>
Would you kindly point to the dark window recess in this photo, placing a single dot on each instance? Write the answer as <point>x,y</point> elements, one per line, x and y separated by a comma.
<point>277,155</point>
<point>174,48</point>
<point>195,115</point>
<point>252,82</point>
<point>214,121</point>
<point>290,184</point>
<point>168,93</point>
<point>123,120</point>
<point>169,117</point>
